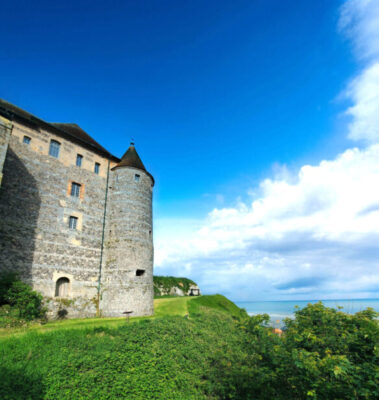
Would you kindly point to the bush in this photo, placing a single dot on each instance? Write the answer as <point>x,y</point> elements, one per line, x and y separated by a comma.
<point>20,296</point>
<point>164,358</point>
<point>323,354</point>
<point>6,281</point>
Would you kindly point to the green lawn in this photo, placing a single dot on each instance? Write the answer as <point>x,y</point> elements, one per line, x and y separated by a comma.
<point>167,356</point>
<point>171,306</point>
<point>162,307</point>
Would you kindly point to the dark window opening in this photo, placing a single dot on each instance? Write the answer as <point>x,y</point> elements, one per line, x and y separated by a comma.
<point>136,177</point>
<point>79,159</point>
<point>54,148</point>
<point>75,189</point>
<point>26,140</point>
<point>73,222</point>
<point>97,168</point>
<point>140,272</point>
<point>61,287</point>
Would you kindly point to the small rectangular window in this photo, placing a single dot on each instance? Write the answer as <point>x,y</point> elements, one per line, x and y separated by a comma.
<point>136,177</point>
<point>75,189</point>
<point>54,148</point>
<point>140,272</point>
<point>26,140</point>
<point>79,159</point>
<point>73,223</point>
<point>97,168</point>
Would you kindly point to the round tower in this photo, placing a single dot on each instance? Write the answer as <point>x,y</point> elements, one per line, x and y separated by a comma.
<point>127,278</point>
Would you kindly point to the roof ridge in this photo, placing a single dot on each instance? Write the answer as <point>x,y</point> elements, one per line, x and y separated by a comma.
<point>71,129</point>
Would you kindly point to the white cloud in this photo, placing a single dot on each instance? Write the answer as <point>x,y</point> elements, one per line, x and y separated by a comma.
<point>311,235</point>
<point>360,22</point>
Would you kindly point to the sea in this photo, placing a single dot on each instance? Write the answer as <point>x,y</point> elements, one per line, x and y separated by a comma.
<point>278,310</point>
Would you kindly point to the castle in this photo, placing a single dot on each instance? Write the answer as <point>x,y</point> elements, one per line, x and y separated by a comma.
<point>75,221</point>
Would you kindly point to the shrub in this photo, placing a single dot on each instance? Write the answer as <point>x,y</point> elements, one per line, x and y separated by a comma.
<point>164,358</point>
<point>20,296</point>
<point>323,354</point>
<point>6,281</point>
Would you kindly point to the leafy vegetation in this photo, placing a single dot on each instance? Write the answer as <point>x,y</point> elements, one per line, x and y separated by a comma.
<point>196,348</point>
<point>163,284</point>
<point>164,358</point>
<point>18,302</point>
<point>323,354</point>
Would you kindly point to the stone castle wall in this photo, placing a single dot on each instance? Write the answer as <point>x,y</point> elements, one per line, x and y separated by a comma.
<point>35,238</point>
<point>5,131</point>
<point>129,244</point>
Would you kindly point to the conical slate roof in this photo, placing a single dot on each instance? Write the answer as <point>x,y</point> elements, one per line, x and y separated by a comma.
<point>131,159</point>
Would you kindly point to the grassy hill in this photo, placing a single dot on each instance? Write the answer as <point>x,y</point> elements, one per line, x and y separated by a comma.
<point>168,356</point>
<point>195,348</point>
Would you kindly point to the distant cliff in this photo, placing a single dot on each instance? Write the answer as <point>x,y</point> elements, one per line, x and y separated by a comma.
<point>170,285</point>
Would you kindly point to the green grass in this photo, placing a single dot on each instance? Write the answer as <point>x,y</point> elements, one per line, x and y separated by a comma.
<point>215,302</point>
<point>163,307</point>
<point>171,306</point>
<point>168,356</point>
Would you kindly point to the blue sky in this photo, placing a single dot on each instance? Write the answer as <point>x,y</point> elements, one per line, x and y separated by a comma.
<point>213,93</point>
<point>219,96</point>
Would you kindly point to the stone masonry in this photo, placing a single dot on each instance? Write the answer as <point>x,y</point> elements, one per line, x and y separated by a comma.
<point>5,131</point>
<point>100,264</point>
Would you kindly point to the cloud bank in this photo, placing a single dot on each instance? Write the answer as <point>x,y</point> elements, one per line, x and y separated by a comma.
<point>360,22</point>
<point>305,236</point>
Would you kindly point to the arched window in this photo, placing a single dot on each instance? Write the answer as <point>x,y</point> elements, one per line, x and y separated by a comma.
<point>61,287</point>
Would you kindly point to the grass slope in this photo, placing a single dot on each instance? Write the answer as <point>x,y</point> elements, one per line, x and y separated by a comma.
<point>216,302</point>
<point>162,307</point>
<point>166,357</point>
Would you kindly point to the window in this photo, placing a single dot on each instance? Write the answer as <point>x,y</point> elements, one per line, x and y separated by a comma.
<point>136,177</point>
<point>61,287</point>
<point>75,189</point>
<point>140,272</point>
<point>97,168</point>
<point>54,148</point>
<point>73,222</point>
<point>26,140</point>
<point>79,159</point>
